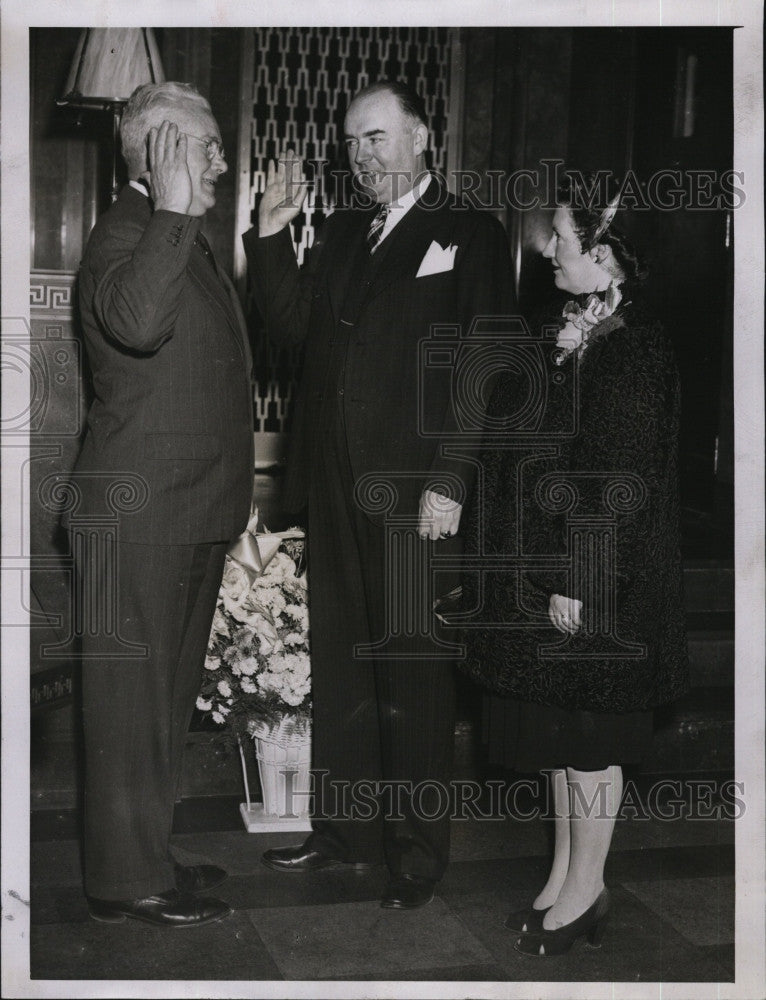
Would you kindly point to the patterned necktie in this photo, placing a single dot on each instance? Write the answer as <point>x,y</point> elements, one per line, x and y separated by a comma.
<point>375,231</point>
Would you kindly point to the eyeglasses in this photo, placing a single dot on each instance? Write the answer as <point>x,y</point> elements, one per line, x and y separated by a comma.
<point>213,147</point>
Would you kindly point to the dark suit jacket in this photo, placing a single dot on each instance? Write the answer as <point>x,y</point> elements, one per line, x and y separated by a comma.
<point>170,362</point>
<point>398,411</point>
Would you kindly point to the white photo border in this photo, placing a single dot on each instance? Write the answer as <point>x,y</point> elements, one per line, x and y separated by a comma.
<point>17,18</point>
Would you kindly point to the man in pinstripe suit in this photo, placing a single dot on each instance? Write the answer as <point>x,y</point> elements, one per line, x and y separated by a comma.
<point>378,282</point>
<point>169,446</point>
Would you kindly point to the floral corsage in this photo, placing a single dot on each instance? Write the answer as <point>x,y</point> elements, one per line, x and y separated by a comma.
<point>578,322</point>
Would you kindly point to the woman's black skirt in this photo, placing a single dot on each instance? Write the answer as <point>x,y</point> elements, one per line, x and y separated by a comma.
<point>529,737</point>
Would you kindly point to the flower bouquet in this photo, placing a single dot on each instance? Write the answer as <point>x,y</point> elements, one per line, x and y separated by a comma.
<point>257,668</point>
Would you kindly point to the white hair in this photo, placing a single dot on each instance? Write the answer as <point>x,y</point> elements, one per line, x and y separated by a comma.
<point>147,106</point>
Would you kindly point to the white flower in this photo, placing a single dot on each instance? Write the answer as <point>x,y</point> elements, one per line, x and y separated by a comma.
<point>301,674</point>
<point>273,599</point>
<point>292,699</point>
<point>299,665</point>
<point>268,637</point>
<point>248,666</point>
<point>279,568</point>
<point>299,616</point>
<point>240,609</point>
<point>236,583</point>
<point>268,681</point>
<point>259,638</point>
<point>569,337</point>
<point>278,663</point>
<point>580,321</point>
<point>267,647</point>
<point>220,626</point>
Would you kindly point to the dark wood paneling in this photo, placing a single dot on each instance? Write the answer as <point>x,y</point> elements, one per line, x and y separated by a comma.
<point>691,281</point>
<point>602,96</point>
<point>479,121</point>
<point>488,85</point>
<point>67,151</point>
<point>540,122</point>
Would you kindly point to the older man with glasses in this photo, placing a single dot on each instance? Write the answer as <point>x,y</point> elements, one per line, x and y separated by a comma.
<point>170,426</point>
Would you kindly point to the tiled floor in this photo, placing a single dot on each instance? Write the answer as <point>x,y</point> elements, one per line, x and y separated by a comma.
<point>673,914</point>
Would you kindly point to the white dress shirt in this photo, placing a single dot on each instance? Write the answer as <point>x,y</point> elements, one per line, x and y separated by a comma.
<point>398,209</point>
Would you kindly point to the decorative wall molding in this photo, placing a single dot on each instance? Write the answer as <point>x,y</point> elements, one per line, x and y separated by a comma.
<point>51,294</point>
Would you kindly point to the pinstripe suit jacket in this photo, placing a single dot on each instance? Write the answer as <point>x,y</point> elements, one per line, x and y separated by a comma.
<point>170,363</point>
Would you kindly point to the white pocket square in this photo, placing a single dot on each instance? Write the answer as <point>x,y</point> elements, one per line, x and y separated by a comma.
<point>437,259</point>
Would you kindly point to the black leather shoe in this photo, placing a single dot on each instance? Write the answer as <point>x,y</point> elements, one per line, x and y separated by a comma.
<point>305,859</point>
<point>166,909</point>
<point>527,921</point>
<point>559,941</point>
<point>406,892</point>
<point>199,878</point>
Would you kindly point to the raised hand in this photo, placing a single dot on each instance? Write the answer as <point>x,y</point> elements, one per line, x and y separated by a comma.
<point>169,178</point>
<point>283,195</point>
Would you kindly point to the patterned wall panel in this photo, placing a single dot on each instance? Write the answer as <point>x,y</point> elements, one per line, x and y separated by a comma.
<point>51,294</point>
<point>302,82</point>
<point>52,427</point>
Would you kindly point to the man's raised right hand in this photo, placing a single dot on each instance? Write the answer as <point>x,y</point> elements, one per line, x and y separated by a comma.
<point>283,195</point>
<point>169,176</point>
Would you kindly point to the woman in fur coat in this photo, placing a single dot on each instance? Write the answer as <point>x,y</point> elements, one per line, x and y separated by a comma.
<point>582,624</point>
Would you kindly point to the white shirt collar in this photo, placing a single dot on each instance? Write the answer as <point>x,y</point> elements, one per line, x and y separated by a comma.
<point>406,201</point>
<point>139,187</point>
<point>399,208</point>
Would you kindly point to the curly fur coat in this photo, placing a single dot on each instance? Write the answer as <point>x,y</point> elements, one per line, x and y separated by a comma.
<point>580,498</point>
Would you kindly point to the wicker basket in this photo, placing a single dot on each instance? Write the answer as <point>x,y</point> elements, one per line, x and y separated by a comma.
<point>283,753</point>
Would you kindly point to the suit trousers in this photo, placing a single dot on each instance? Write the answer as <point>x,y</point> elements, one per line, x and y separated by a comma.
<point>383,725</point>
<point>137,706</point>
